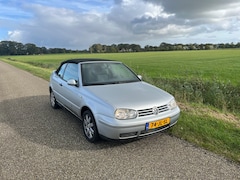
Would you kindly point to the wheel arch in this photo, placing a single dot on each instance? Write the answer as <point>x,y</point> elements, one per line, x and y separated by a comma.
<point>85,108</point>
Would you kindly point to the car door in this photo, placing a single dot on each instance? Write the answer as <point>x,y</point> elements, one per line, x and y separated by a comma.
<point>70,93</point>
<point>57,81</point>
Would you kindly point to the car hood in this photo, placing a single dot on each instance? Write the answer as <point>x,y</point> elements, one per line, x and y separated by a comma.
<point>137,95</point>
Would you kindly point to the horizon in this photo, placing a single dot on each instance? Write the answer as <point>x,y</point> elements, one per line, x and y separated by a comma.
<point>79,25</point>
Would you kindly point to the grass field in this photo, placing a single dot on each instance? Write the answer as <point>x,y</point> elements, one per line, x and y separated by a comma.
<point>205,83</point>
<point>222,65</point>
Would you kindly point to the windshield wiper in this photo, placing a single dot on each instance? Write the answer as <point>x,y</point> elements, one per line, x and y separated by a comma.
<point>107,83</point>
<point>96,84</point>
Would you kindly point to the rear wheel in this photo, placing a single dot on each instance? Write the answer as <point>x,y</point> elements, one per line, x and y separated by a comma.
<point>53,101</point>
<point>90,127</point>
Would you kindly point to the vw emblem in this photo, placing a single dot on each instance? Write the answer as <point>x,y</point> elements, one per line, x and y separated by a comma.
<point>155,110</point>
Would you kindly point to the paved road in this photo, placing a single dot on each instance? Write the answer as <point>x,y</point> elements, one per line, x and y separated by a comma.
<point>37,142</point>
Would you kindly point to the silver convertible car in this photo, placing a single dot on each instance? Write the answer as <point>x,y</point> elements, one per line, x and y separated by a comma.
<point>111,100</point>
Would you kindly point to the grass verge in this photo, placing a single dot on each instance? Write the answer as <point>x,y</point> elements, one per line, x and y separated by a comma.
<point>208,128</point>
<point>37,71</point>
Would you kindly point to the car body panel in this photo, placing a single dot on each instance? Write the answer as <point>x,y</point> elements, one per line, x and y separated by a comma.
<point>136,95</point>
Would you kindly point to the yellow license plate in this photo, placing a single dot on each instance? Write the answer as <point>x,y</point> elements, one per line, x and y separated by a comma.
<point>157,124</point>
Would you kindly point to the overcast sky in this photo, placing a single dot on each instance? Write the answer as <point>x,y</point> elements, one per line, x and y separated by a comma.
<point>77,24</point>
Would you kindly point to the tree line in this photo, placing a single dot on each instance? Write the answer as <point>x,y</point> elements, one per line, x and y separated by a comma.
<point>99,48</point>
<point>17,48</point>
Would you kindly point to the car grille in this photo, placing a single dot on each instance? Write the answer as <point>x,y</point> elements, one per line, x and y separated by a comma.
<point>147,112</point>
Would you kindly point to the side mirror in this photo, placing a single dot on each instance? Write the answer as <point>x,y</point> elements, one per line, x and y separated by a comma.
<point>72,82</point>
<point>140,77</point>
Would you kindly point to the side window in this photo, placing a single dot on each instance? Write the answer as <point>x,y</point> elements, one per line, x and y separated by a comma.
<point>71,72</point>
<point>61,71</point>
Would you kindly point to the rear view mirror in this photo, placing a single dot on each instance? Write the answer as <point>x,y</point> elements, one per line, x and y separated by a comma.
<point>72,82</point>
<point>140,77</point>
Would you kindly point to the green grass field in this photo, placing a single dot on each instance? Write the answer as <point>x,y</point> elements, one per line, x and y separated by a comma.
<point>205,83</point>
<point>223,65</point>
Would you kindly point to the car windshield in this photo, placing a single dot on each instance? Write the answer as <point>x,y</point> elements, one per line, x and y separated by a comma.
<point>102,73</point>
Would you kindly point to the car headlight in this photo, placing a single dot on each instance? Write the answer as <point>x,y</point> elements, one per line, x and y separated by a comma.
<point>123,114</point>
<point>172,104</point>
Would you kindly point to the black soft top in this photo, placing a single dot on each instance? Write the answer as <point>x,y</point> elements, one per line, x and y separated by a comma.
<point>76,61</point>
<point>83,60</point>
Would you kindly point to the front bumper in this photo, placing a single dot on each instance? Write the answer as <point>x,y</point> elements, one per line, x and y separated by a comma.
<point>127,129</point>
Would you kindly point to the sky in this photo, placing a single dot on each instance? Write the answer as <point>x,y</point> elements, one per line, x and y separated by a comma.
<point>78,24</point>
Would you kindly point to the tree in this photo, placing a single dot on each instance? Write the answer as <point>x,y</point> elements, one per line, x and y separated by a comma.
<point>96,48</point>
<point>31,49</point>
<point>20,49</point>
<point>4,48</point>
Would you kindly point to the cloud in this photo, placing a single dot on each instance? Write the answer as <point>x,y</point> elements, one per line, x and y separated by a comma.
<point>193,9</point>
<point>203,12</point>
<point>79,24</point>
<point>59,27</point>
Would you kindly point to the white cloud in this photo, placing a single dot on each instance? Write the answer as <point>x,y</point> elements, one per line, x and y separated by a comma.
<point>15,35</point>
<point>173,30</point>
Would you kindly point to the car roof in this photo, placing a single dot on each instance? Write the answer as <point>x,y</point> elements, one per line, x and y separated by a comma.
<point>76,61</point>
<point>81,60</point>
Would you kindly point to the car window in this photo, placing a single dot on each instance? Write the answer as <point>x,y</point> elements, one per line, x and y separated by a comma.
<point>62,69</point>
<point>71,72</point>
<point>106,73</point>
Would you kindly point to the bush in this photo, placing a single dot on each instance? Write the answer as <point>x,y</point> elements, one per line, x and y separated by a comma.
<point>221,95</point>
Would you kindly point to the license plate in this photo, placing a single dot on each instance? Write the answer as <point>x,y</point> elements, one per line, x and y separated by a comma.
<point>157,124</point>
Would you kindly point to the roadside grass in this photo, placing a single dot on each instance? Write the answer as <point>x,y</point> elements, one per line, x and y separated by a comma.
<point>37,71</point>
<point>209,128</point>
<point>204,83</point>
<point>224,96</point>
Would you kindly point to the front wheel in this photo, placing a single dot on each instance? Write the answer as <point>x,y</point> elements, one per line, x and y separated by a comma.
<point>90,127</point>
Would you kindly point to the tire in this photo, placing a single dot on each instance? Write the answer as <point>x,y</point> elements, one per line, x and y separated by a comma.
<point>53,101</point>
<point>89,127</point>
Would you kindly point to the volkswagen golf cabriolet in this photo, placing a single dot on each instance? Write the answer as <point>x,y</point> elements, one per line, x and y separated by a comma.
<point>111,100</point>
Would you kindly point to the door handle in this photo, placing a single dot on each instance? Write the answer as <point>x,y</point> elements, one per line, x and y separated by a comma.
<point>60,84</point>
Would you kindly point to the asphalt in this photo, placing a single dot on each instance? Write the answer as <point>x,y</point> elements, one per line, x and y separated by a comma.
<point>38,142</point>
